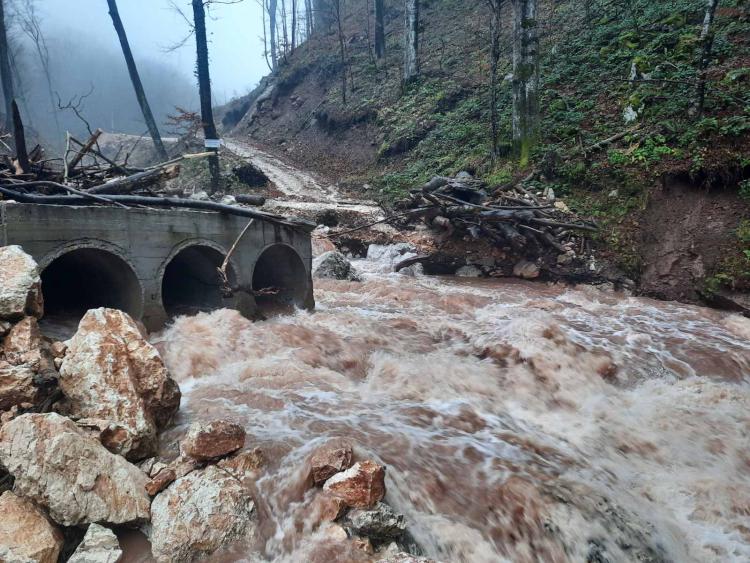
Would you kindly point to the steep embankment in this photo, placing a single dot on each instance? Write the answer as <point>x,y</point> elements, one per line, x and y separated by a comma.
<point>670,191</point>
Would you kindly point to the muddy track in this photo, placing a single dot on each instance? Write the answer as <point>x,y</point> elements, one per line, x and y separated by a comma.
<point>303,192</point>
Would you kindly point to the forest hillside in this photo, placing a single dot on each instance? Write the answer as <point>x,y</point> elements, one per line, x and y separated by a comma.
<point>619,140</point>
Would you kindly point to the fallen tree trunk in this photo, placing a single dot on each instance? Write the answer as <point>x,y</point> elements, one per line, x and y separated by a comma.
<point>301,224</point>
<point>85,148</point>
<point>137,181</point>
<point>247,199</point>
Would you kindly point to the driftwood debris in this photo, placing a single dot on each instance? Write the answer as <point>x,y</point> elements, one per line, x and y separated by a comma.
<point>85,176</point>
<point>138,181</point>
<point>145,201</point>
<point>510,215</point>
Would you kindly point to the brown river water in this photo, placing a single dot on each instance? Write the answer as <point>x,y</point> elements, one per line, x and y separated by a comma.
<point>518,422</point>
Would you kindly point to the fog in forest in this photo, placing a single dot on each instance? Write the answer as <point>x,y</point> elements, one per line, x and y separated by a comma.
<point>87,68</point>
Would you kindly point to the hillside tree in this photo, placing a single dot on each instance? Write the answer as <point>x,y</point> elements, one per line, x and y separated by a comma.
<point>706,47</point>
<point>309,24</point>
<point>379,29</point>
<point>525,78</point>
<point>272,14</point>
<point>6,75</point>
<point>338,12</point>
<point>204,85</point>
<point>31,26</point>
<point>496,7</point>
<point>411,41</point>
<point>135,78</point>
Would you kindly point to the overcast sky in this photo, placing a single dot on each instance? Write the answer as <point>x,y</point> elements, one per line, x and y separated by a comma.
<point>235,32</point>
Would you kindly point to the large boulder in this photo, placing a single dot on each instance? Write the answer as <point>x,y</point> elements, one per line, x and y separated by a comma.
<point>72,475</point>
<point>379,524</point>
<point>213,440</point>
<point>99,545</point>
<point>26,534</point>
<point>20,285</point>
<point>201,513</point>
<point>17,386</point>
<point>361,486</point>
<point>334,266</point>
<point>23,344</point>
<point>328,460</point>
<point>526,270</point>
<point>112,377</point>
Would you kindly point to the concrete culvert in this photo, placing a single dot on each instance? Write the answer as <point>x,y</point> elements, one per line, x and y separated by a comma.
<point>192,283</point>
<point>88,278</point>
<point>279,280</point>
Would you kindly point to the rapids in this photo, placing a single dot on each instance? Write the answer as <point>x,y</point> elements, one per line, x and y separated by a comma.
<point>518,422</point>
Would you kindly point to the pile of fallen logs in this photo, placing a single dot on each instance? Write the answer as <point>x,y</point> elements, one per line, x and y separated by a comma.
<point>510,215</point>
<point>86,176</point>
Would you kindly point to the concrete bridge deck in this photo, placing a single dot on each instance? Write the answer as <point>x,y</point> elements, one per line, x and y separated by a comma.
<point>155,264</point>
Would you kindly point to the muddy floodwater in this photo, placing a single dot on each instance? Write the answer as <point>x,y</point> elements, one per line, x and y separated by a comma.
<point>518,422</point>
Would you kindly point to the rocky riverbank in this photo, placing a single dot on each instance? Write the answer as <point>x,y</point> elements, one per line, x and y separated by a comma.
<point>82,463</point>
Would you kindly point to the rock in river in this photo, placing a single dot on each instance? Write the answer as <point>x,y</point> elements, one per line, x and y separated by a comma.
<point>72,475</point>
<point>213,440</point>
<point>334,265</point>
<point>328,460</point>
<point>112,376</point>
<point>199,514</point>
<point>361,486</point>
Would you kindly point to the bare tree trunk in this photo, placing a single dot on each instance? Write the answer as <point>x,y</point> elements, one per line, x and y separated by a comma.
<point>309,24</point>
<point>5,71</point>
<point>285,35</point>
<point>324,14</point>
<point>32,28</point>
<point>496,7</point>
<point>20,138</point>
<point>525,79</point>
<point>339,15</point>
<point>294,25</point>
<point>379,29</point>
<point>411,41</point>
<point>265,36</point>
<point>707,43</point>
<point>272,12</point>
<point>135,78</point>
<point>204,83</point>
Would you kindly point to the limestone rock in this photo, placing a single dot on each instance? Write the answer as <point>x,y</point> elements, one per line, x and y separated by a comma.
<point>361,486</point>
<point>72,475</point>
<point>526,270</point>
<point>25,532</point>
<point>20,285</point>
<point>23,344</point>
<point>99,545</point>
<point>402,557</point>
<point>321,243</point>
<point>334,266</point>
<point>17,386</point>
<point>469,272</point>
<point>161,481</point>
<point>380,523</point>
<point>245,466</point>
<point>111,373</point>
<point>329,460</point>
<point>199,514</point>
<point>213,440</point>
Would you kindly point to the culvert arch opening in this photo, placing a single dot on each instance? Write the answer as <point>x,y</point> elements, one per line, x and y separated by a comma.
<point>192,283</point>
<point>279,280</point>
<point>89,278</point>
